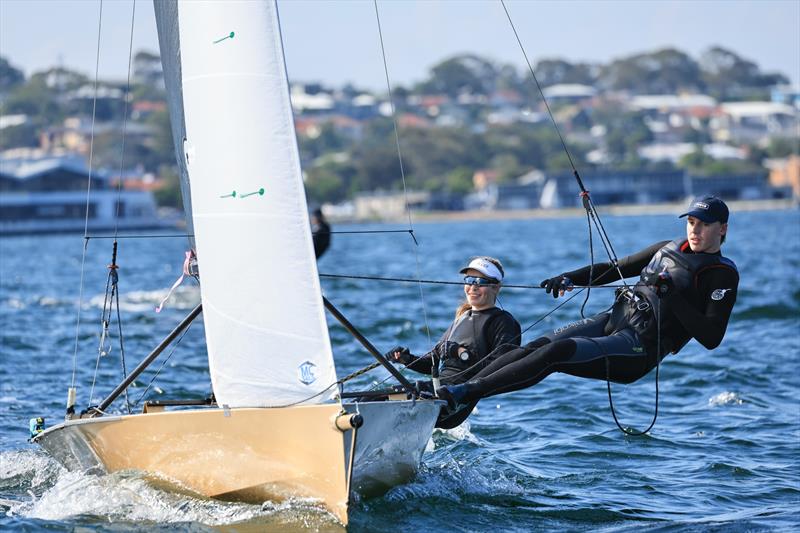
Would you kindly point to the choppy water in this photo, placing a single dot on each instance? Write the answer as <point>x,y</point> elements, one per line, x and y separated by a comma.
<point>724,455</point>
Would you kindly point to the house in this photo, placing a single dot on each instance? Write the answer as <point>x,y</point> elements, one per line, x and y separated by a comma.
<point>51,194</point>
<point>755,122</point>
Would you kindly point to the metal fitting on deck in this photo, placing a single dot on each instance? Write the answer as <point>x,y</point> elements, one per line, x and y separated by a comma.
<point>347,421</point>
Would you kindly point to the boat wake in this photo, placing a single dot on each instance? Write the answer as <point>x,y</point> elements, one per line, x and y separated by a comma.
<point>184,297</point>
<point>46,491</point>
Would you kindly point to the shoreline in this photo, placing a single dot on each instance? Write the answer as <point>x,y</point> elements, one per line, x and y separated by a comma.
<point>574,212</point>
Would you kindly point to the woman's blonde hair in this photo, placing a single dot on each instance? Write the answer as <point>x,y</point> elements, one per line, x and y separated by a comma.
<point>465,305</point>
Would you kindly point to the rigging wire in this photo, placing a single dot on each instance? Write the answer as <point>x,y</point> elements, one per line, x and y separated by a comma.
<point>113,275</point>
<point>163,364</point>
<point>88,191</point>
<point>587,201</point>
<point>591,213</point>
<point>402,169</point>
<point>124,122</point>
<point>191,235</point>
<point>441,282</point>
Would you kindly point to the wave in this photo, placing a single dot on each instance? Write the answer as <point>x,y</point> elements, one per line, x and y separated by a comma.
<point>49,492</point>
<point>725,398</point>
<point>146,301</point>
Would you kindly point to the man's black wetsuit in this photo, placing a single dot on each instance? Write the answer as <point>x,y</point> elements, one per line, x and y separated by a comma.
<point>622,344</point>
<point>321,235</point>
<point>481,333</point>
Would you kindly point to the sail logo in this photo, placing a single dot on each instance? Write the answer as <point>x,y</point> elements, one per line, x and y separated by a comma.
<point>306,371</point>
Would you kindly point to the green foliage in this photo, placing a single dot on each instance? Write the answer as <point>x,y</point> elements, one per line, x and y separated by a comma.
<point>727,75</point>
<point>10,76</point>
<point>664,71</point>
<point>459,180</point>
<point>701,164</point>
<point>35,99</point>
<point>329,181</point>
<point>169,195</point>
<point>556,71</point>
<point>783,147</point>
<point>467,74</point>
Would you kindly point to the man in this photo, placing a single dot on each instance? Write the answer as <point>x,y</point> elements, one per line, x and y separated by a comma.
<point>320,232</point>
<point>686,290</point>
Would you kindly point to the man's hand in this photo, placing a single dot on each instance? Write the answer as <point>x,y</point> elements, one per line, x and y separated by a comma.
<point>400,354</point>
<point>557,285</point>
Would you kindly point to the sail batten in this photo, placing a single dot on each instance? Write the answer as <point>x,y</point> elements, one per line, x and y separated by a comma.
<point>266,332</point>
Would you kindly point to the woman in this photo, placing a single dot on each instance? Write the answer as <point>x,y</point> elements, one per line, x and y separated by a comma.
<point>686,290</point>
<point>478,329</point>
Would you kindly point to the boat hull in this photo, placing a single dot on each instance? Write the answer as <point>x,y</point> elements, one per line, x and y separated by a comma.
<point>256,454</point>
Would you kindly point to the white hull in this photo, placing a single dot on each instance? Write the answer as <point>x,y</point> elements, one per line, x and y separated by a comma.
<point>256,454</point>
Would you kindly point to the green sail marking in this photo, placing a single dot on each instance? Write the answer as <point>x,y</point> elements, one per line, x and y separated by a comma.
<point>231,195</point>
<point>259,192</point>
<point>229,36</point>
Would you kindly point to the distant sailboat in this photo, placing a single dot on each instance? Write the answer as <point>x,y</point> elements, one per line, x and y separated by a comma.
<point>276,427</point>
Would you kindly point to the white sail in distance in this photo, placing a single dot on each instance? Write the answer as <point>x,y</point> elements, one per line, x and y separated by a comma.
<point>266,333</point>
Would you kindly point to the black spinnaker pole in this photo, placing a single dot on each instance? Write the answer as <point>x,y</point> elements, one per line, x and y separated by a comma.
<point>149,359</point>
<point>368,345</point>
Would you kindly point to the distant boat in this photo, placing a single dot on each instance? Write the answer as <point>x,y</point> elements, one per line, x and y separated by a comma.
<point>48,195</point>
<point>279,423</point>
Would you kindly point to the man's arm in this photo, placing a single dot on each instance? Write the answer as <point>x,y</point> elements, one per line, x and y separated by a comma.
<point>718,287</point>
<point>603,273</point>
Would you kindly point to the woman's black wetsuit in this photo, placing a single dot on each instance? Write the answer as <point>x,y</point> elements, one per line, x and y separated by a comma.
<point>622,344</point>
<point>480,333</point>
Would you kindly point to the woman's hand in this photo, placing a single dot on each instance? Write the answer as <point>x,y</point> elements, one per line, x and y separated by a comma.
<point>400,354</point>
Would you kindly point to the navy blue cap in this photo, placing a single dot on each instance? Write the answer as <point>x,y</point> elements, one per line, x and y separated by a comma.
<point>709,209</point>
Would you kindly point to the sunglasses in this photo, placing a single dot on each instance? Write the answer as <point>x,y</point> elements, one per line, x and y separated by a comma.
<point>480,282</point>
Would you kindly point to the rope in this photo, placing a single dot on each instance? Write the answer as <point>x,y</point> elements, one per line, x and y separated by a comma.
<point>121,347</point>
<point>402,169</point>
<point>658,368</point>
<point>88,191</point>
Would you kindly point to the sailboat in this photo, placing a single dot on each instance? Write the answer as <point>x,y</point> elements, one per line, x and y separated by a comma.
<point>279,424</point>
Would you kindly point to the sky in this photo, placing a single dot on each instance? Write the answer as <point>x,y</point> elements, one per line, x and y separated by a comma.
<point>336,42</point>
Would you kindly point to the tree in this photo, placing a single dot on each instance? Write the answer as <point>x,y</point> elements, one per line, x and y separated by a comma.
<point>169,195</point>
<point>468,74</point>
<point>10,76</point>
<point>459,180</point>
<point>555,71</point>
<point>783,147</point>
<point>728,75</point>
<point>664,71</point>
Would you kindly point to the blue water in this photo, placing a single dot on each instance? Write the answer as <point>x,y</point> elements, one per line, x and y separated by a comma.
<point>724,455</point>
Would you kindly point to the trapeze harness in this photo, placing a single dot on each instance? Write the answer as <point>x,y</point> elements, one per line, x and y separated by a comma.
<point>620,345</point>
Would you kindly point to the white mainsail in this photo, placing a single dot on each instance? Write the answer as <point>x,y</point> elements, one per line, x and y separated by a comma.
<point>266,332</point>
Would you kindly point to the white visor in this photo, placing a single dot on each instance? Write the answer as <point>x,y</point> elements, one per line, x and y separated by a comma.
<point>487,268</point>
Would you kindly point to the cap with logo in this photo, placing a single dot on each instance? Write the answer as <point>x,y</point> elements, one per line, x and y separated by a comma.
<point>709,209</point>
<point>485,267</point>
